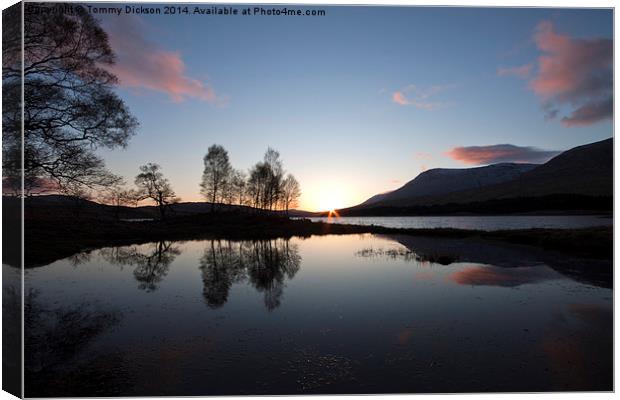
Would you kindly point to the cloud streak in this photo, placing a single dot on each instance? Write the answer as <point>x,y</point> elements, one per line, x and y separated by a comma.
<point>142,64</point>
<point>415,96</point>
<point>480,155</point>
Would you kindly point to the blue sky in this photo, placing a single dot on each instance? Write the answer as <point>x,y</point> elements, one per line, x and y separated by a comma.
<point>321,90</point>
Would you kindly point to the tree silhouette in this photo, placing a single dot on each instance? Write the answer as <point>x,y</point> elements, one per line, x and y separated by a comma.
<point>238,185</point>
<point>119,196</point>
<point>216,174</point>
<point>265,187</point>
<point>152,185</point>
<point>290,192</point>
<point>274,183</point>
<point>71,108</point>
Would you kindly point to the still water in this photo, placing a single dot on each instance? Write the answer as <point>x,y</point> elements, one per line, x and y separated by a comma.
<point>484,223</point>
<point>328,314</point>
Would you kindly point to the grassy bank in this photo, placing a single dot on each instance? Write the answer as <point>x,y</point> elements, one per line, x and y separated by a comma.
<point>49,236</point>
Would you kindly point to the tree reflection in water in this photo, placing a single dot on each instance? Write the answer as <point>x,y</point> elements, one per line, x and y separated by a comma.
<point>55,335</point>
<point>266,264</point>
<point>151,261</point>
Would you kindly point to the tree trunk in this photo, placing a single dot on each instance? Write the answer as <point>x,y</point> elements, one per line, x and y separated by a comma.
<point>162,207</point>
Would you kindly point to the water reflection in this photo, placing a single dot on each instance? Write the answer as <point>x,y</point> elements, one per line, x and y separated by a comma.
<point>266,264</point>
<point>151,261</point>
<point>487,275</point>
<point>577,346</point>
<point>408,255</point>
<point>54,335</point>
<point>79,258</point>
<point>494,260</point>
<point>368,314</point>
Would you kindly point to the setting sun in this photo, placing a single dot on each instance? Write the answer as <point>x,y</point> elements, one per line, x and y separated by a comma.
<point>328,196</point>
<point>331,197</point>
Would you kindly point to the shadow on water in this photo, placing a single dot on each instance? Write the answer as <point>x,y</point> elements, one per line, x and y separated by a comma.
<point>57,337</point>
<point>507,264</point>
<point>265,264</point>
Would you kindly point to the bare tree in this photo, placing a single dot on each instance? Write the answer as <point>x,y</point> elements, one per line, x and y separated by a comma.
<point>216,174</point>
<point>258,184</point>
<point>238,183</point>
<point>274,183</point>
<point>71,107</point>
<point>152,185</point>
<point>119,196</point>
<point>290,192</point>
<point>265,185</point>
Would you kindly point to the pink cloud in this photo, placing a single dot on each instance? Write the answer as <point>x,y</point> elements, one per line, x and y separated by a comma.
<point>412,95</point>
<point>522,71</point>
<point>480,155</point>
<point>575,75</point>
<point>142,64</point>
<point>399,98</point>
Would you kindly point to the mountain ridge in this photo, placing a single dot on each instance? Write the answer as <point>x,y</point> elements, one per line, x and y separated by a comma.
<point>445,180</point>
<point>585,170</point>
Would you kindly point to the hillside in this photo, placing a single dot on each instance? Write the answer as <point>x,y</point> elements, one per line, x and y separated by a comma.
<point>584,171</point>
<point>443,180</point>
<point>68,205</point>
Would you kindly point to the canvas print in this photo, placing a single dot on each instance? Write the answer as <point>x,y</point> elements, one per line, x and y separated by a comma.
<point>253,199</point>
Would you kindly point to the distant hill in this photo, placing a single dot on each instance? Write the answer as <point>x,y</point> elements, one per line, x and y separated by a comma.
<point>443,180</point>
<point>66,204</point>
<point>571,178</point>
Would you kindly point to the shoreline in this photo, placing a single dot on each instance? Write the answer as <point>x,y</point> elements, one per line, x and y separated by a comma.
<point>50,239</point>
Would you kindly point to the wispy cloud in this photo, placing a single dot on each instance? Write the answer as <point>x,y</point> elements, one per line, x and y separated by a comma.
<point>481,155</point>
<point>522,71</point>
<point>574,77</point>
<point>142,64</point>
<point>413,95</point>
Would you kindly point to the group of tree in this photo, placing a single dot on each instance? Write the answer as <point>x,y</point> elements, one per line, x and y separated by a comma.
<point>266,186</point>
<point>72,110</point>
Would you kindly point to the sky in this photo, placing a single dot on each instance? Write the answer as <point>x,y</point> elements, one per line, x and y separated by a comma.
<point>363,99</point>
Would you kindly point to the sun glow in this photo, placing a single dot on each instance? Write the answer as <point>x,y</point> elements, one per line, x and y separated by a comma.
<point>328,195</point>
<point>331,200</point>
